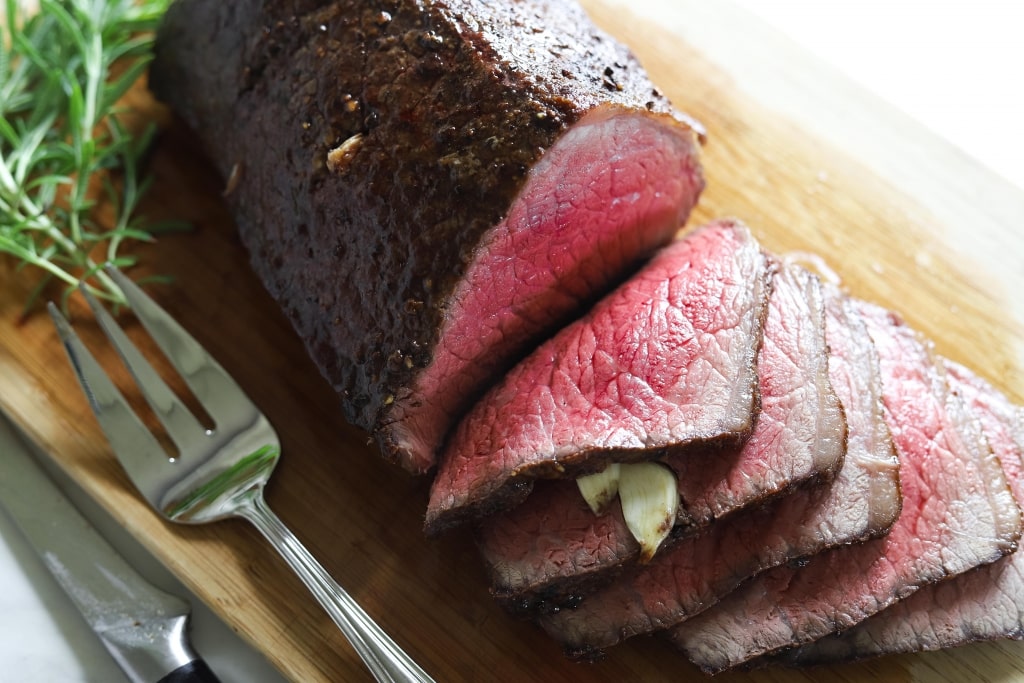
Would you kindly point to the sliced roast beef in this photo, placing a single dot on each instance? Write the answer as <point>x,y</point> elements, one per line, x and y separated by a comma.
<point>664,362</point>
<point>957,514</point>
<point>801,430</point>
<point>552,548</point>
<point>863,502</point>
<point>428,188</point>
<point>981,605</point>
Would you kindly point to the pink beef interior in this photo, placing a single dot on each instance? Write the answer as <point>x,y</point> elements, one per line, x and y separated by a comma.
<point>957,514</point>
<point>660,362</point>
<point>979,605</point>
<point>800,435</point>
<point>550,545</point>
<point>693,575</point>
<point>614,188</point>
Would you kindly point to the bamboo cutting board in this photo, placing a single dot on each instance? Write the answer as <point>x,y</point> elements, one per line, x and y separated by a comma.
<point>902,219</point>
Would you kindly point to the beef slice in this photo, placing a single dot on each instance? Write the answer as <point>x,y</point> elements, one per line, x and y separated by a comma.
<point>985,604</point>
<point>664,362</point>
<point>862,503</point>
<point>957,514</point>
<point>552,548</point>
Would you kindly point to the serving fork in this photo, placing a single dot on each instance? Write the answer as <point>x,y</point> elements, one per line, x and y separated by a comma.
<point>216,473</point>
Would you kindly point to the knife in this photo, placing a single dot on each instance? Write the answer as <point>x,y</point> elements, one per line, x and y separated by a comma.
<point>143,628</point>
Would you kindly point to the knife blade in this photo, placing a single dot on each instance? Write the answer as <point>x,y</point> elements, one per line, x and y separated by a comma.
<point>144,628</point>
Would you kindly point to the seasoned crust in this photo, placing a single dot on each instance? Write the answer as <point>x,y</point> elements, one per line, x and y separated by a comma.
<point>382,137</point>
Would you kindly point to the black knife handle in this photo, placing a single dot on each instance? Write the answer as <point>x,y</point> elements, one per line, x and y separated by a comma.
<point>195,671</point>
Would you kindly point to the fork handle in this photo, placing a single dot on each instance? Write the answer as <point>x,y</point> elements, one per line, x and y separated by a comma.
<point>385,659</point>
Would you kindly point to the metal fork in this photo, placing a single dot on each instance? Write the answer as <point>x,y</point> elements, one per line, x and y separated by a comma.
<point>218,473</point>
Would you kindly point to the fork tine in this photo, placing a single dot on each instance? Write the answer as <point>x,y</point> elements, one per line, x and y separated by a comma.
<point>133,444</point>
<point>215,389</point>
<point>181,425</point>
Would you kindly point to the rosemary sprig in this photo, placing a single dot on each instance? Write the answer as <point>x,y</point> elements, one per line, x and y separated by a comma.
<point>63,70</point>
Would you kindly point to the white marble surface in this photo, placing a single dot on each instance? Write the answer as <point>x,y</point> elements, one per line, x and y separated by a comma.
<point>954,68</point>
<point>43,638</point>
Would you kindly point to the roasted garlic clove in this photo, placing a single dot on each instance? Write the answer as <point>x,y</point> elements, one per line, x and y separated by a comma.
<point>600,489</point>
<point>650,497</point>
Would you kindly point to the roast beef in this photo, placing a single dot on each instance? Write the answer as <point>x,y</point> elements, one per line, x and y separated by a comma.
<point>863,502</point>
<point>553,548</point>
<point>980,605</point>
<point>428,188</point>
<point>664,362</point>
<point>957,514</point>
<point>798,407</point>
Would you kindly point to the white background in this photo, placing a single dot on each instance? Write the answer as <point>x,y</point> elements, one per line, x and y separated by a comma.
<point>955,67</point>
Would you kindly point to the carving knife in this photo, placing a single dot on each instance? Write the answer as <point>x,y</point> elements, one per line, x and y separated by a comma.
<point>144,628</point>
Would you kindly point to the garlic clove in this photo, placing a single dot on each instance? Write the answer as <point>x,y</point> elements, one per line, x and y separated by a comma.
<point>600,489</point>
<point>649,495</point>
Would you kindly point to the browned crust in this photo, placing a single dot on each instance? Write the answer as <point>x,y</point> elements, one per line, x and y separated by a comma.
<point>453,100</point>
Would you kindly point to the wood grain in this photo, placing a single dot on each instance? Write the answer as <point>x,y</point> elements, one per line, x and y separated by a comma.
<point>890,241</point>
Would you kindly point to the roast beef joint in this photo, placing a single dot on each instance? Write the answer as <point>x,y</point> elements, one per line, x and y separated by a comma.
<point>429,189</point>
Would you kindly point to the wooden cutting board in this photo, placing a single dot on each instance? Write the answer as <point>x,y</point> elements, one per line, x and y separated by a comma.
<point>903,220</point>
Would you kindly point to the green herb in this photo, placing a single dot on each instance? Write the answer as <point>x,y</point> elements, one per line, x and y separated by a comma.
<point>63,70</point>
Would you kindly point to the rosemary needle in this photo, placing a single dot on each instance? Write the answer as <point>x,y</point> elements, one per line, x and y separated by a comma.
<point>60,136</point>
